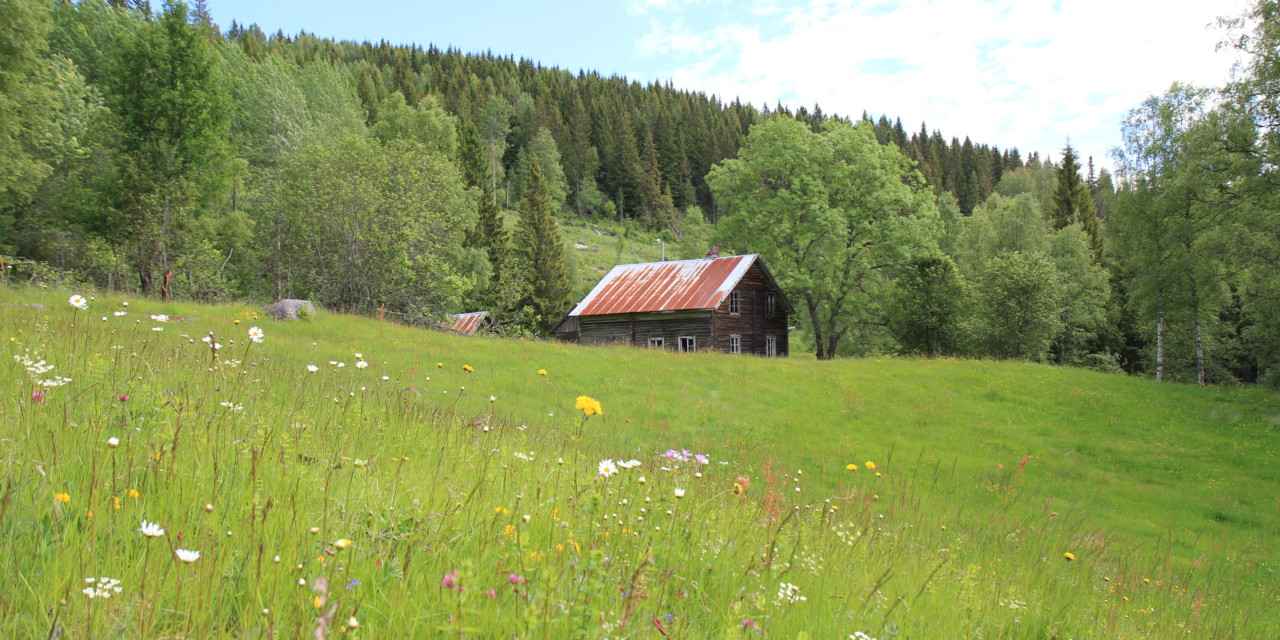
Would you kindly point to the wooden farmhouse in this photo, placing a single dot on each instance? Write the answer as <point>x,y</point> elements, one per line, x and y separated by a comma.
<point>730,304</point>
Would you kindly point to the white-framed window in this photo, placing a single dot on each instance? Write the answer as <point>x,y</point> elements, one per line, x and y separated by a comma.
<point>735,303</point>
<point>771,346</point>
<point>657,343</point>
<point>735,344</point>
<point>770,304</point>
<point>688,344</point>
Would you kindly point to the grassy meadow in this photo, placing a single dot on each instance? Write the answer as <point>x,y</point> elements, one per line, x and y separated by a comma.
<point>442,486</point>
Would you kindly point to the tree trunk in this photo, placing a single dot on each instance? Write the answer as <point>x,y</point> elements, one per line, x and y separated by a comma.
<point>1160,337</point>
<point>817,328</point>
<point>1199,356</point>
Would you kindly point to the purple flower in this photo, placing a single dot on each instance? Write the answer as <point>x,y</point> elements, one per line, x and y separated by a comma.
<point>37,396</point>
<point>354,583</point>
<point>452,581</point>
<point>702,458</point>
<point>490,593</point>
<point>515,579</point>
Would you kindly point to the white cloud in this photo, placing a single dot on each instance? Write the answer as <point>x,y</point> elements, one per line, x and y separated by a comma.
<point>1007,72</point>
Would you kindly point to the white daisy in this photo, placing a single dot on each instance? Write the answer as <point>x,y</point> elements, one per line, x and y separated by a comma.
<point>160,317</point>
<point>607,468</point>
<point>113,442</point>
<point>312,368</point>
<point>186,555</point>
<point>78,301</point>
<point>153,530</point>
<point>256,334</point>
<point>679,492</point>
<point>361,364</point>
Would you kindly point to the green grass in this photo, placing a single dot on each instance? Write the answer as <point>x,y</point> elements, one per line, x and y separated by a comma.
<point>961,534</point>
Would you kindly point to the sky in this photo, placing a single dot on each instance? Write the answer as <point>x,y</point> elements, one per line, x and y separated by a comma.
<point>1030,74</point>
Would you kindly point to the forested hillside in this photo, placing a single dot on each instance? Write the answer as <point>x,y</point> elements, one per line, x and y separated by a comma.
<point>151,151</point>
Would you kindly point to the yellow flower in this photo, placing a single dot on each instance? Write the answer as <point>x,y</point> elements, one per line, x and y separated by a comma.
<point>133,493</point>
<point>588,405</point>
<point>1069,556</point>
<point>342,543</point>
<point>737,489</point>
<point>467,368</point>
<point>237,322</point>
<point>62,497</point>
<point>509,532</point>
<point>439,365</point>
<point>851,467</point>
<point>501,510</point>
<point>877,474</point>
<point>541,372</point>
<point>870,465</point>
<point>115,501</point>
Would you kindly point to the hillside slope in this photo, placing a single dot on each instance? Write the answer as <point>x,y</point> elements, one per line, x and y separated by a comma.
<point>1003,465</point>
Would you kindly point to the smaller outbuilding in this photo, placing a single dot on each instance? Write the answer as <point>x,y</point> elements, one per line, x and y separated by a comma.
<point>466,323</point>
<point>730,304</point>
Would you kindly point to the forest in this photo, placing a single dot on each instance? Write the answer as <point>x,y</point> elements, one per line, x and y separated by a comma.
<point>145,149</point>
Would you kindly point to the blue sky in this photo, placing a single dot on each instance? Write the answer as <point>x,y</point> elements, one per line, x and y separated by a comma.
<point>1024,73</point>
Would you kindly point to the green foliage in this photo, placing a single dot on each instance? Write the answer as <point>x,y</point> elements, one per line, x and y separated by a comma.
<point>426,123</point>
<point>1073,202</point>
<point>543,251</point>
<point>930,307</point>
<point>1022,297</point>
<point>164,90</point>
<point>831,212</point>
<point>365,225</point>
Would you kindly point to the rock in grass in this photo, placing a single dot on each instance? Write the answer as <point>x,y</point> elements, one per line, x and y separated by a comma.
<point>288,309</point>
<point>29,305</point>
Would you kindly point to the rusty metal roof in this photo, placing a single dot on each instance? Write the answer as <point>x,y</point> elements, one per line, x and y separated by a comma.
<point>679,285</point>
<point>464,323</point>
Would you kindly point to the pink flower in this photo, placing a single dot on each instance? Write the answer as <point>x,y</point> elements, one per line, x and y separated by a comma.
<point>515,579</point>
<point>37,396</point>
<point>490,593</point>
<point>748,624</point>
<point>124,397</point>
<point>452,581</point>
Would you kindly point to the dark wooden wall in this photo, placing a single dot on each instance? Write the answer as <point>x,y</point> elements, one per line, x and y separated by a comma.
<point>637,328</point>
<point>752,324</point>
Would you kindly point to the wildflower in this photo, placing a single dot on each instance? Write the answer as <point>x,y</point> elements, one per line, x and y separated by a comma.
<point>629,464</point>
<point>113,442</point>
<point>101,587</point>
<point>78,301</point>
<point>516,579</point>
<point>157,328</point>
<point>119,313</point>
<point>160,317</point>
<point>133,493</point>
<point>439,365</point>
<point>342,543</point>
<point>186,555</point>
<point>1069,556</point>
<point>542,372</point>
<point>468,368</point>
<point>125,303</point>
<point>851,467</point>
<point>679,492</point>
<point>490,594</point>
<point>360,364</point>
<point>738,489</point>
<point>702,459</point>
<point>352,623</point>
<point>236,321</point>
<point>870,465</point>
<point>493,398</point>
<point>353,583</point>
<point>124,397</point>
<point>607,468</point>
<point>151,529</point>
<point>588,405</point>
<point>789,593</point>
<point>37,396</point>
<point>256,334</point>
<point>207,339</point>
<point>62,497</point>
<point>452,581</point>
<point>312,368</point>
<point>341,365</point>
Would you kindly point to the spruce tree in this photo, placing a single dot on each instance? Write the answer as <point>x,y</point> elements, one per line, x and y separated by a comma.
<point>543,249</point>
<point>1072,202</point>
